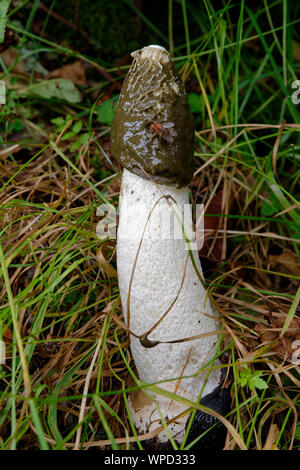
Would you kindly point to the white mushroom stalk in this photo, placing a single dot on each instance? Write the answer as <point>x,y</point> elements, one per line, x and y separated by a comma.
<point>162,296</point>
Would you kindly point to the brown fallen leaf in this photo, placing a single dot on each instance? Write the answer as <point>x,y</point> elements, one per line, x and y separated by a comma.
<point>104,262</point>
<point>213,247</point>
<point>74,72</point>
<point>9,58</point>
<point>7,334</point>
<point>115,185</point>
<point>287,263</point>
<point>294,326</point>
<point>272,437</point>
<point>283,346</point>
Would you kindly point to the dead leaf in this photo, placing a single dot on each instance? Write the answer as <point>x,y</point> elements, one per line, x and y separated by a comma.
<point>105,264</point>
<point>115,185</point>
<point>9,58</point>
<point>284,346</point>
<point>212,225</point>
<point>294,326</point>
<point>7,334</point>
<point>287,263</point>
<point>74,72</point>
<point>272,438</point>
<point>296,50</point>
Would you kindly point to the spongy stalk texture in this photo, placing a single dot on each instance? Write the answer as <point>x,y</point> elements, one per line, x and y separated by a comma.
<point>156,281</point>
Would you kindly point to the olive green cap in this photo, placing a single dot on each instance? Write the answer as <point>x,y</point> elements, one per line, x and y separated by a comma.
<point>153,129</point>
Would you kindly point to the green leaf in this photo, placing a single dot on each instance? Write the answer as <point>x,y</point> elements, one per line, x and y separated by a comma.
<point>106,110</point>
<point>59,88</point>
<point>81,141</point>
<point>68,135</point>
<point>16,125</point>
<point>77,127</point>
<point>195,102</point>
<point>253,380</point>
<point>270,208</point>
<point>4,5</point>
<point>59,121</point>
<point>244,376</point>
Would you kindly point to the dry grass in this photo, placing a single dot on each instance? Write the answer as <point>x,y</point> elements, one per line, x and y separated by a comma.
<point>66,377</point>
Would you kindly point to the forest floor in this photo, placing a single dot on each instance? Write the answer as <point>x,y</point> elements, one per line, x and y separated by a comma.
<point>64,380</point>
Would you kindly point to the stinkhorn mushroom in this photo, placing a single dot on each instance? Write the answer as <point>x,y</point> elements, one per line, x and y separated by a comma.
<point>163,299</point>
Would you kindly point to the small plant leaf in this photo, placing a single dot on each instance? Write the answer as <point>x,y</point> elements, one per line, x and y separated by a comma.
<point>4,4</point>
<point>77,127</point>
<point>106,110</point>
<point>59,121</point>
<point>255,381</point>
<point>252,379</point>
<point>59,88</point>
<point>81,141</point>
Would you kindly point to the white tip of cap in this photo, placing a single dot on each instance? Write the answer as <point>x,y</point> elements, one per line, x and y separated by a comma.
<point>153,52</point>
<point>157,47</point>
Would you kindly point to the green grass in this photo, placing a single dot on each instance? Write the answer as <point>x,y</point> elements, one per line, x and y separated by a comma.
<point>65,381</point>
